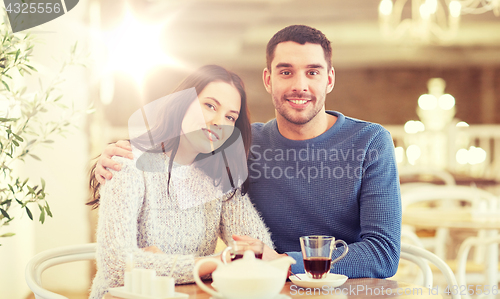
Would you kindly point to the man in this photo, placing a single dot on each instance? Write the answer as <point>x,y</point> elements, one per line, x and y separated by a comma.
<point>317,172</point>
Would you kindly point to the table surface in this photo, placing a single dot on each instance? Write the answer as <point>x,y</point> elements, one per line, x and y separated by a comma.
<point>352,289</point>
<point>426,217</point>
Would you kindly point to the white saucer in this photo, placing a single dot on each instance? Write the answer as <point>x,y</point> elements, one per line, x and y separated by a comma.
<point>122,293</point>
<point>331,280</point>
<point>279,296</point>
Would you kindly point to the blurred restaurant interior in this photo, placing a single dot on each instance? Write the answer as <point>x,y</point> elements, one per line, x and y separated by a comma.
<point>428,74</point>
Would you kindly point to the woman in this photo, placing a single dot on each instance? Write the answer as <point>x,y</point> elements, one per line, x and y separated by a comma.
<point>171,204</point>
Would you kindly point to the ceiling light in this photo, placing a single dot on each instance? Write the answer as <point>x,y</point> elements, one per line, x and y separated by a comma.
<point>431,21</point>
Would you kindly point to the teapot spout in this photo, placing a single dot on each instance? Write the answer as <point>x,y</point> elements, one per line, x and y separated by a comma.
<point>283,263</point>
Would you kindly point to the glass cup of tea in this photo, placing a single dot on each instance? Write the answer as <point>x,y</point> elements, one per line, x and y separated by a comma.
<point>236,249</point>
<point>317,254</point>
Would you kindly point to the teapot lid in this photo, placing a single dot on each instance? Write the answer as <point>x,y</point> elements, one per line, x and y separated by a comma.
<point>248,267</point>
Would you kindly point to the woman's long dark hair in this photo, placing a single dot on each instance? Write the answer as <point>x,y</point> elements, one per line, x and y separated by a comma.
<point>169,131</point>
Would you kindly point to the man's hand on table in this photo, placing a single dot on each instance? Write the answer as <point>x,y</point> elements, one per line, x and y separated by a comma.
<point>121,148</point>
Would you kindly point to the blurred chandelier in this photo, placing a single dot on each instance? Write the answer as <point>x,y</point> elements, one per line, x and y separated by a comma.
<point>480,6</point>
<point>429,20</point>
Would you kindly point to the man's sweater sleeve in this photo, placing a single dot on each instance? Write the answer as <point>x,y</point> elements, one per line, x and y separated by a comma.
<point>377,254</point>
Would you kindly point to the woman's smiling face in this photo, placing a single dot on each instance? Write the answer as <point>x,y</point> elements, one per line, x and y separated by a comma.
<point>210,120</point>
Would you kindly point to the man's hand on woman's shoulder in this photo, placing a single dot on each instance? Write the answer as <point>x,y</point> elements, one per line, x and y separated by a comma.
<point>120,148</point>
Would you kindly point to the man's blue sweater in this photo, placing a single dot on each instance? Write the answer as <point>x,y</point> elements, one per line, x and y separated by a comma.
<point>343,183</point>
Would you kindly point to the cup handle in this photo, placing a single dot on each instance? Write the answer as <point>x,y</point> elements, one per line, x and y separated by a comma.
<point>346,249</point>
<point>200,283</point>
<point>224,254</point>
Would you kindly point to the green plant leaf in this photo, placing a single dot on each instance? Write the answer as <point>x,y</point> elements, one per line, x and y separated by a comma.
<point>42,217</point>
<point>35,157</point>
<point>29,213</point>
<point>6,85</point>
<point>18,137</point>
<point>29,66</point>
<point>43,183</point>
<point>23,90</point>
<point>7,235</point>
<point>47,208</point>
<point>7,119</point>
<point>5,202</point>
<point>25,70</point>
<point>17,54</point>
<point>31,191</point>
<point>4,213</point>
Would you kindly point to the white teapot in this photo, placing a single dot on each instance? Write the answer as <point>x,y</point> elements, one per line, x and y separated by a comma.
<point>246,278</point>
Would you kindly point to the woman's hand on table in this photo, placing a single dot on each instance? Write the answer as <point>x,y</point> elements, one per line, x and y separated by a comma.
<point>208,268</point>
<point>268,255</point>
<point>152,249</point>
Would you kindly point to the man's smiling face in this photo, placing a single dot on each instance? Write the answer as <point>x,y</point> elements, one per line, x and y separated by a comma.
<point>298,81</point>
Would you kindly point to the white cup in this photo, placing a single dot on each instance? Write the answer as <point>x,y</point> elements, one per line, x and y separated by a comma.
<point>137,281</point>
<point>148,275</point>
<point>164,286</point>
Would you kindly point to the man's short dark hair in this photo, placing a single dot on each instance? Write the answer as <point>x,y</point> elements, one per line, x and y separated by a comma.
<point>300,34</point>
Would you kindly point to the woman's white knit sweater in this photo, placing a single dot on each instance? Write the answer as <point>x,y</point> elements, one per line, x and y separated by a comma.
<point>136,211</point>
